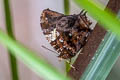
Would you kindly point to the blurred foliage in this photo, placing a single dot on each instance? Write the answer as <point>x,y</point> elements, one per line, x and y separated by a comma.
<point>106,18</point>
<point>66,7</point>
<point>9,29</point>
<point>43,69</point>
<point>104,59</point>
<point>33,61</point>
<point>109,50</point>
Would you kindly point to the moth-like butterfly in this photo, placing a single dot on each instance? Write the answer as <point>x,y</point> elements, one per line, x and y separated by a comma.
<point>66,33</point>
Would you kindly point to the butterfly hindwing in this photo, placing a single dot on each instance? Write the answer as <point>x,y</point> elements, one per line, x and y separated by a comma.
<point>66,33</point>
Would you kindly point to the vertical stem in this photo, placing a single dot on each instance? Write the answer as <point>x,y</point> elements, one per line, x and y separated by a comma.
<point>66,7</point>
<point>67,11</point>
<point>8,21</point>
<point>67,67</point>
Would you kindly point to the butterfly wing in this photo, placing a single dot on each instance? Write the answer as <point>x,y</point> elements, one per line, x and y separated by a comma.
<point>66,33</point>
<point>48,20</point>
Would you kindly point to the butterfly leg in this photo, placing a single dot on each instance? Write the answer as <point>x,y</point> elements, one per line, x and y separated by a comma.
<point>69,62</point>
<point>60,59</point>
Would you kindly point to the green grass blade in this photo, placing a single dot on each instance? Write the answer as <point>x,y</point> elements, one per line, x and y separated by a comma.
<point>104,59</point>
<point>67,67</point>
<point>109,50</point>
<point>105,18</point>
<point>66,7</point>
<point>67,11</point>
<point>31,60</point>
<point>8,21</point>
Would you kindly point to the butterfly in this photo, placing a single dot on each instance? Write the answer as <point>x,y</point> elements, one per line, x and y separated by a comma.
<point>66,33</point>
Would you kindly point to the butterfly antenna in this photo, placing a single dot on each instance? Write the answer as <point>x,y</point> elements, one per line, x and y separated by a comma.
<point>58,54</point>
<point>82,11</point>
<point>49,49</point>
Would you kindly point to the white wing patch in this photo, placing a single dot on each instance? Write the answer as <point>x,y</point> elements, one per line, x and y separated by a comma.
<point>52,36</point>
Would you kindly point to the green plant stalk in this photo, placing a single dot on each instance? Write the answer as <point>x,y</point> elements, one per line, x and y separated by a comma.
<point>67,67</point>
<point>66,7</point>
<point>104,59</point>
<point>105,18</point>
<point>109,50</point>
<point>8,19</point>
<point>67,11</point>
<point>31,60</point>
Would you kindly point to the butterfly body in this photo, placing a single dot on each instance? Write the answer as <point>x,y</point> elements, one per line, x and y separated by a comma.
<point>66,33</point>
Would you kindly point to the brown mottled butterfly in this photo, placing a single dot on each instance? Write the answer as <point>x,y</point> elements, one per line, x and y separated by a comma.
<point>66,33</point>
